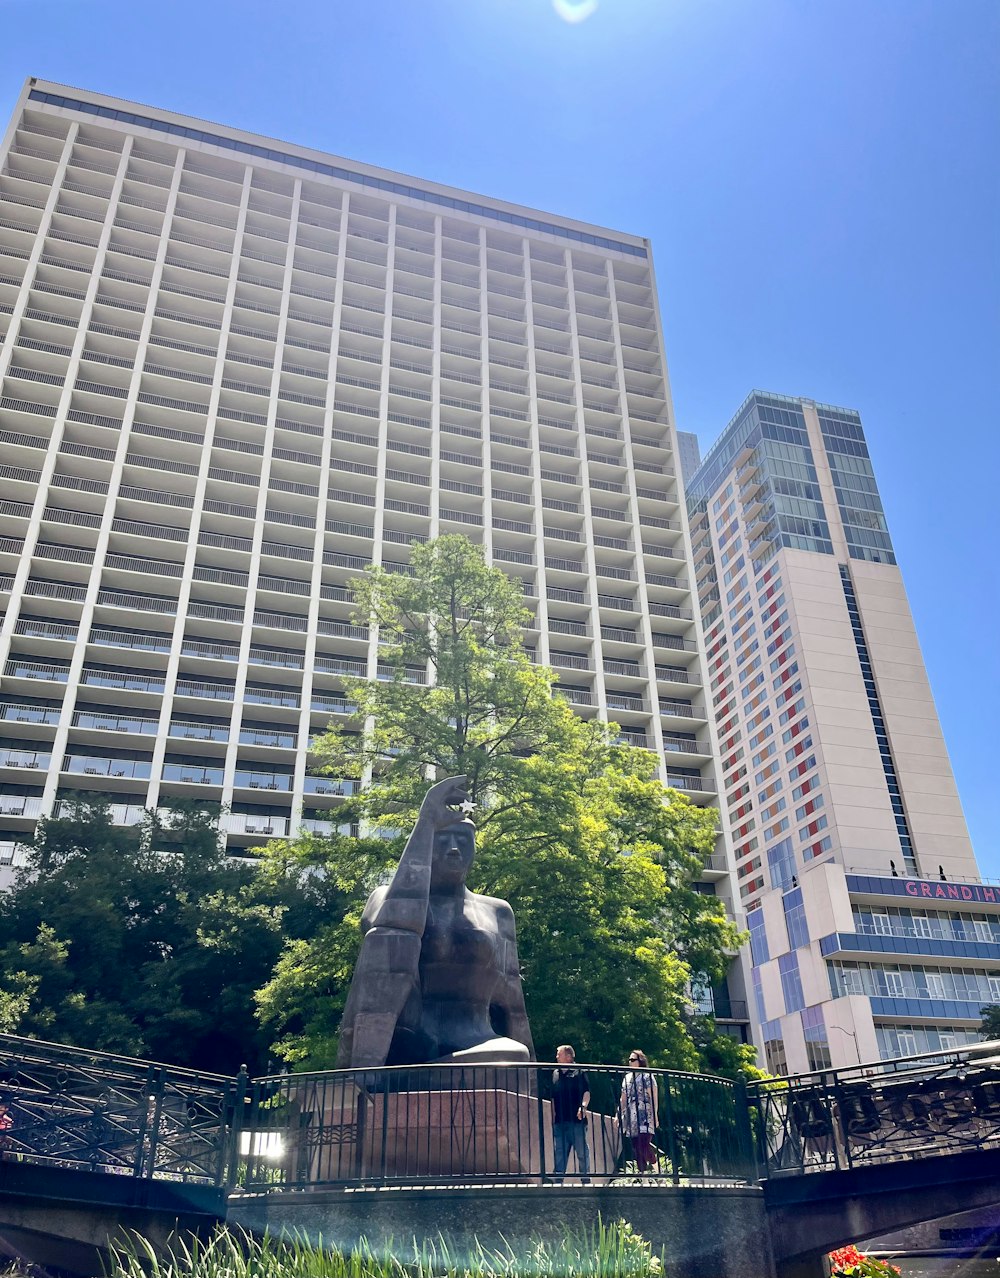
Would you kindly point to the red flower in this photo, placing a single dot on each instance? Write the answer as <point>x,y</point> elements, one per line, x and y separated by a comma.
<point>848,1262</point>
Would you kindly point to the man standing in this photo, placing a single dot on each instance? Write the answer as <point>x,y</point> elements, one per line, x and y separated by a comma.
<point>570,1098</point>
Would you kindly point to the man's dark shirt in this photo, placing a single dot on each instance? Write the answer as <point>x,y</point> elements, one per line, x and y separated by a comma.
<point>569,1086</point>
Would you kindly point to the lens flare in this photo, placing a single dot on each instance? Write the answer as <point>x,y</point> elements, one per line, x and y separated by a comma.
<point>574,10</point>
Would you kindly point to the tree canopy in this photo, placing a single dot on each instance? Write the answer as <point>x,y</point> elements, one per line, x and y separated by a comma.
<point>989,1028</point>
<point>464,696</point>
<point>596,856</point>
<point>148,941</point>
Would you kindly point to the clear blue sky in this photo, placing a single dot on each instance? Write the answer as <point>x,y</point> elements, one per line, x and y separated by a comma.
<point>819,179</point>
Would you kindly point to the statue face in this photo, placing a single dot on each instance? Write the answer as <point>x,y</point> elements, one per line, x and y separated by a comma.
<point>454,848</point>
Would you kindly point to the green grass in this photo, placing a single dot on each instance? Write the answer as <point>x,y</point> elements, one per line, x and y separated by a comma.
<point>607,1251</point>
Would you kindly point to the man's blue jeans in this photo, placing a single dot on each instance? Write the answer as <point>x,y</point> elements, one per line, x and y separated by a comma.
<point>569,1136</point>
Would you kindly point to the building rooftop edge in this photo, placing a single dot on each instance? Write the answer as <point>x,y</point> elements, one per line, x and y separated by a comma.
<point>313,153</point>
<point>764,394</point>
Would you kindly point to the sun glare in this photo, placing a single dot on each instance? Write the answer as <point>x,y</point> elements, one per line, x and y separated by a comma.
<point>574,10</point>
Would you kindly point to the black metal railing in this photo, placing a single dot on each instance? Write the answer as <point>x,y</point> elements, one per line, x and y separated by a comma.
<point>926,1106</point>
<point>72,1108</point>
<point>66,1107</point>
<point>490,1123</point>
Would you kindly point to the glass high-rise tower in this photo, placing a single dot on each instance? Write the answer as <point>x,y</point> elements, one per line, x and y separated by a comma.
<point>871,931</point>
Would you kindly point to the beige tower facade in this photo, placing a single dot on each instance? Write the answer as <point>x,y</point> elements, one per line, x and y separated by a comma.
<point>234,373</point>
<point>871,932</point>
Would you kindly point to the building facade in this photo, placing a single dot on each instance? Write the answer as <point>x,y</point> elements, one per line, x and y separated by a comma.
<point>237,372</point>
<point>871,933</point>
<point>688,454</point>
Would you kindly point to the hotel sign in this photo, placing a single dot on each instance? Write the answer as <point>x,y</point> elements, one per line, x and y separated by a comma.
<point>950,891</point>
<point>924,889</point>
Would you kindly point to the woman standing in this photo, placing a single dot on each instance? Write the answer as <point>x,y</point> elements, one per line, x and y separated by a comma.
<point>637,1108</point>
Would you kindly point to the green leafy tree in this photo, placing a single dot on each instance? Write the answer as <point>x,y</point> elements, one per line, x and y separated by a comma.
<point>17,989</point>
<point>989,1029</point>
<point>597,857</point>
<point>464,696</point>
<point>600,874</point>
<point>148,941</point>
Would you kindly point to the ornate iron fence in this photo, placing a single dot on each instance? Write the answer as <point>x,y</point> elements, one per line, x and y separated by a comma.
<point>942,1103</point>
<point>69,1107</point>
<point>490,1123</point>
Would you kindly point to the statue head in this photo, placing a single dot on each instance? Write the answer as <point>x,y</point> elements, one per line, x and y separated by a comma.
<point>454,848</point>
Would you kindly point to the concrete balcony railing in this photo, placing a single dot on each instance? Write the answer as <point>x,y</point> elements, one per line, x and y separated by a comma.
<point>19,805</point>
<point>265,826</point>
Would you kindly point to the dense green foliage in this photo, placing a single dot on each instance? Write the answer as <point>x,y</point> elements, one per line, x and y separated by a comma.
<point>147,941</point>
<point>989,1028</point>
<point>596,856</point>
<point>606,1251</point>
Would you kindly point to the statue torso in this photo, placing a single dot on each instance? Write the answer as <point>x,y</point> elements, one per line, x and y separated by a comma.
<point>462,959</point>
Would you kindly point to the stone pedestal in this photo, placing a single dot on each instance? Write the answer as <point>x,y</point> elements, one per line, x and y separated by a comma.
<point>452,1135</point>
<point>346,1134</point>
<point>475,1132</point>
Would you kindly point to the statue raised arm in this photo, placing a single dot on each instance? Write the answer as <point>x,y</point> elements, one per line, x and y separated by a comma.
<point>437,978</point>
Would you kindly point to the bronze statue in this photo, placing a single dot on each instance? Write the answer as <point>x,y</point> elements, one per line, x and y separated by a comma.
<point>437,979</point>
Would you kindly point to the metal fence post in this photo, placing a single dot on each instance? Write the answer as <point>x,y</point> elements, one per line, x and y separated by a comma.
<point>744,1130</point>
<point>231,1155</point>
<point>675,1171</point>
<point>153,1128</point>
<point>385,1122</point>
<point>541,1127</point>
<point>140,1136</point>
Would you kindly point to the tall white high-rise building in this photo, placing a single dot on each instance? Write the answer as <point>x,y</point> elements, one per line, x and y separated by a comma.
<point>871,931</point>
<point>236,372</point>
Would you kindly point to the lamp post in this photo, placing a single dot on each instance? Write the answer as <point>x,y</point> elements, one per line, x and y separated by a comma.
<point>852,1036</point>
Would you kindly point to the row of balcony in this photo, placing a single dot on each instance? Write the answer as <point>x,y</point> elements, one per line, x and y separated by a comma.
<point>288,696</point>
<point>40,626</point>
<point>48,628</point>
<point>58,275</point>
<point>206,772</point>
<point>121,554</point>
<point>151,642</point>
<point>215,179</point>
<point>276,467</point>
<point>94,723</point>
<point>552,306</point>
<point>122,572</point>
<point>207,642</point>
<point>185,421</point>
<point>216,200</point>
<point>75,226</point>
<point>564,520</point>
<point>191,772</point>
<point>223,500</point>
<point>195,329</point>
<point>263,825</point>
<point>36,394</point>
<point>122,585</point>
<point>555,384</point>
<point>306,514</point>
<point>304,509</point>
<point>181,779</point>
